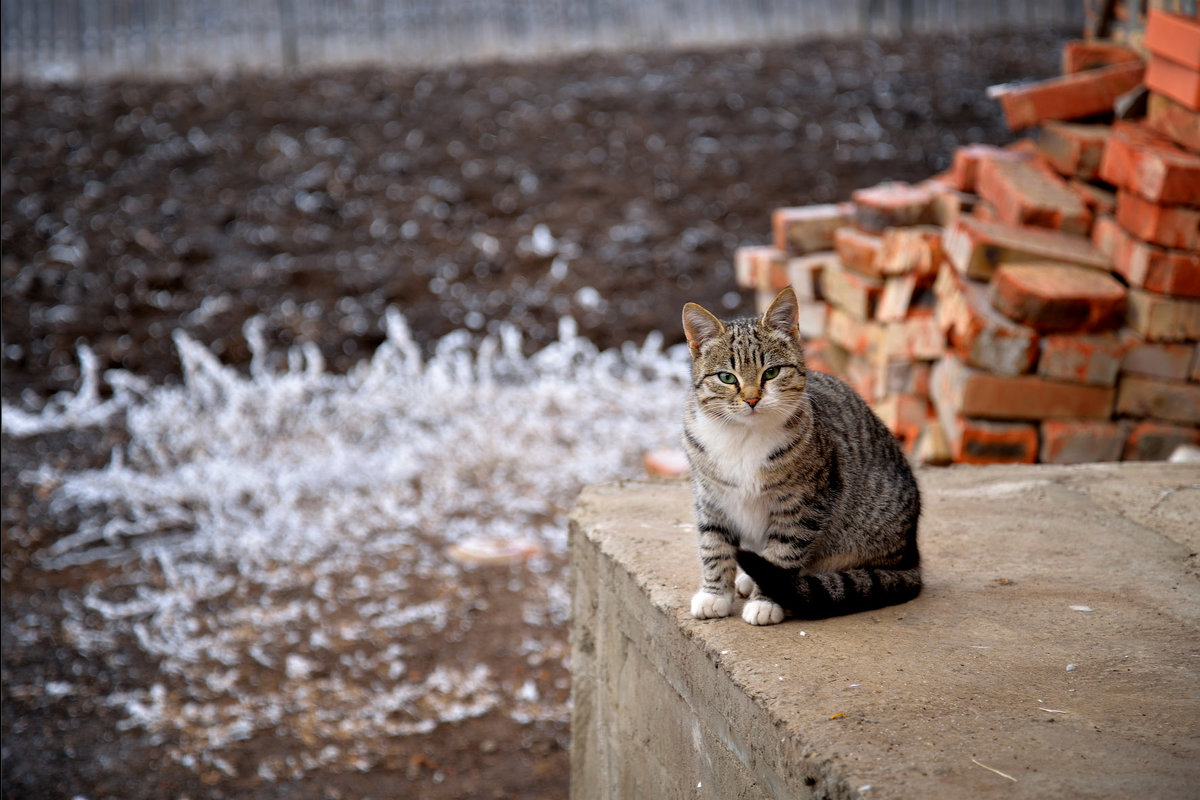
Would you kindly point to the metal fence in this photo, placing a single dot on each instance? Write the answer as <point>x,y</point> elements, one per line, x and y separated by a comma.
<point>81,39</point>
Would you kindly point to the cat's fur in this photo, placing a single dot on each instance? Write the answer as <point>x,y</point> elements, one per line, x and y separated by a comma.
<point>794,478</point>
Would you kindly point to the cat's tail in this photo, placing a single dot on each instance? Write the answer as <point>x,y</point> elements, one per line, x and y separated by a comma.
<point>815,595</point>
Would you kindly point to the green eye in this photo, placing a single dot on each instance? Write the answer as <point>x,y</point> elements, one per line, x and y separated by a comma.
<point>770,372</point>
<point>727,377</point>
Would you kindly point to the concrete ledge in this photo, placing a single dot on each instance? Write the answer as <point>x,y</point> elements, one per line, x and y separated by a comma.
<point>996,666</point>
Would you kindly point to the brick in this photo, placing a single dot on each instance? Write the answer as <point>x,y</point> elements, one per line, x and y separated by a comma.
<point>1140,160</point>
<point>980,335</point>
<point>896,298</point>
<point>892,204</point>
<point>1194,372</point>
<point>667,462</point>
<point>1169,361</point>
<point>1177,123</point>
<point>851,291</point>
<point>1023,194</point>
<point>1073,149</point>
<point>917,338</point>
<point>903,377</point>
<point>1145,266</point>
<point>973,393</point>
<point>1097,199</point>
<point>1081,94</point>
<point>1094,359</point>
<point>915,250</point>
<point>1078,56</point>
<point>760,267</point>
<point>964,169</point>
<point>948,202</point>
<point>976,247</point>
<point>905,414</point>
<point>1080,442</point>
<point>977,441</point>
<point>1159,318</point>
<point>932,447</point>
<point>856,336</point>
<point>1058,297</point>
<point>1165,225</point>
<point>1176,81</point>
<point>816,356</point>
<point>1152,440</point>
<point>804,273</point>
<point>807,229</point>
<point>858,250</point>
<point>1174,401</point>
<point>1175,37</point>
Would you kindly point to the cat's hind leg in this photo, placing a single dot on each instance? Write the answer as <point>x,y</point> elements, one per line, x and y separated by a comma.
<point>744,584</point>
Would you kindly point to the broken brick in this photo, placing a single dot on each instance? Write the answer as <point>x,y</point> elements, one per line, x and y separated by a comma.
<point>1165,225</point>
<point>1081,94</point>
<point>1072,149</point>
<point>807,229</point>
<point>976,247</point>
<point>1080,441</point>
<point>973,393</point>
<point>892,204</point>
<point>1152,440</point>
<point>1151,166</point>
<point>1094,359</point>
<point>980,335</point>
<point>1174,401</point>
<point>1023,194</point>
<point>1159,318</point>
<point>1058,297</point>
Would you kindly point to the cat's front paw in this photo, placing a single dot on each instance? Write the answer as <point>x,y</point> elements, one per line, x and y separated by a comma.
<point>744,584</point>
<point>762,612</point>
<point>706,605</point>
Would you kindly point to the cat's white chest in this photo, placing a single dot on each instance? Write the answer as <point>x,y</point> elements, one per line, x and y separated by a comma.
<point>739,453</point>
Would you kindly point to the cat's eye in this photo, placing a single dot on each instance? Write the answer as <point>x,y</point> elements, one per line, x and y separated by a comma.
<point>727,377</point>
<point>770,372</point>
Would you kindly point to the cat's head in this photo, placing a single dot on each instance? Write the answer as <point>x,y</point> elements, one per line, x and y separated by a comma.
<point>747,370</point>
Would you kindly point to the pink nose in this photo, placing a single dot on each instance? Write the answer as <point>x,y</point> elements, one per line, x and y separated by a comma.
<point>752,401</point>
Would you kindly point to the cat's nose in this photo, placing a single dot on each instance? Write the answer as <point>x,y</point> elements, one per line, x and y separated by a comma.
<point>752,401</point>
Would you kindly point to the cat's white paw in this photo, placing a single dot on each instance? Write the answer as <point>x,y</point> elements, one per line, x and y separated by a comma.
<point>762,612</point>
<point>706,605</point>
<point>744,584</point>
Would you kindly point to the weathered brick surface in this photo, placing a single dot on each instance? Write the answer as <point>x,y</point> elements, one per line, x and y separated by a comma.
<point>1023,194</point>
<point>1143,162</point>
<point>1080,442</point>
<point>964,169</point>
<point>1073,149</point>
<point>1058,297</point>
<point>1153,440</point>
<point>1094,359</point>
<point>854,293</point>
<point>974,393</point>
<point>1174,401</point>
<point>1146,266</point>
<point>1068,97</point>
<point>903,377</point>
<point>916,338</point>
<point>1170,119</point>
<point>892,204</point>
<point>1171,361</point>
<point>980,335</point>
<point>896,298</point>
<point>915,250</point>
<point>978,441</point>
<point>976,247</point>
<point>858,250</point>
<point>807,229</point>
<point>1159,318</point>
<point>1165,225</point>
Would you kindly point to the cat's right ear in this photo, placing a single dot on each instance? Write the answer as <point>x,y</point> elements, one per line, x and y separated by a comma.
<point>699,326</point>
<point>782,313</point>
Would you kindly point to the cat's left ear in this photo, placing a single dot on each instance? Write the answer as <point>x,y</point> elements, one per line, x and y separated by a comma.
<point>782,314</point>
<point>699,326</point>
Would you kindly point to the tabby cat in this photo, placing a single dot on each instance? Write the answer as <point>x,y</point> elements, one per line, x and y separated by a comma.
<point>794,478</point>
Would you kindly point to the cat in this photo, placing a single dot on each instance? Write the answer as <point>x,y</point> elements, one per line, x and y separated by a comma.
<point>794,478</point>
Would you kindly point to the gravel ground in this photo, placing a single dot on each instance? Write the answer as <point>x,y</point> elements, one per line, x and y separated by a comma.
<point>608,188</point>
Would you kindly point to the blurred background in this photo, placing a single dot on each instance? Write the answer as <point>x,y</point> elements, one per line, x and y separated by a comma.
<point>317,315</point>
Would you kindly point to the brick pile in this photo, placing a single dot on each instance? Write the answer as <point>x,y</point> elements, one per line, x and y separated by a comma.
<point>1036,302</point>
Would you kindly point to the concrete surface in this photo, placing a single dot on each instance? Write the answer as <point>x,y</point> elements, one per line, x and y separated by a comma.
<point>1057,641</point>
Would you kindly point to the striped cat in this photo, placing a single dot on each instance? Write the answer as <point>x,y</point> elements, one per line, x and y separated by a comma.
<point>794,478</point>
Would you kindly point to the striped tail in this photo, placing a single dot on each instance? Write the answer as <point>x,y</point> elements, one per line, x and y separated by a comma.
<point>815,595</point>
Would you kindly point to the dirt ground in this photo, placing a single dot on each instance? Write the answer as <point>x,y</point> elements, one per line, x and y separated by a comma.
<point>612,188</point>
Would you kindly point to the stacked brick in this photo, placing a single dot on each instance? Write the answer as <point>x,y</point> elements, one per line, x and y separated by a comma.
<point>1039,302</point>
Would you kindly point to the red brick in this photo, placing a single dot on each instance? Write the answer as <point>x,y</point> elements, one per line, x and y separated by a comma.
<point>804,273</point>
<point>807,229</point>
<point>980,335</point>
<point>932,447</point>
<point>666,462</point>
<point>904,414</point>
<point>977,441</point>
<point>903,377</point>
<point>760,267</point>
<point>964,169</point>
<point>1194,372</point>
<point>892,204</point>
<point>917,338</point>
<point>1080,442</point>
<point>1176,81</point>
<point>1140,160</point>
<point>1073,149</point>
<point>948,202</point>
<point>1170,361</point>
<point>977,247</point>
<point>1058,297</point>
<point>1159,318</point>
<point>1094,359</point>
<point>856,336</point>
<point>1152,440</point>
<point>858,250</point>
<point>1175,37</point>
<point>1177,123</point>
<point>915,250</point>
<point>1097,199</point>
<point>972,393</point>
<point>896,299</point>
<point>816,356</point>
<point>1023,194</point>
<point>1164,225</point>
<point>1082,94</point>
<point>1146,266</point>
<point>1078,56</point>
<point>1174,401</point>
<point>851,291</point>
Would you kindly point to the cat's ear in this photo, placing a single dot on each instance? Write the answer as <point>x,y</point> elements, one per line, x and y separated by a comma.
<point>699,326</point>
<point>783,314</point>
